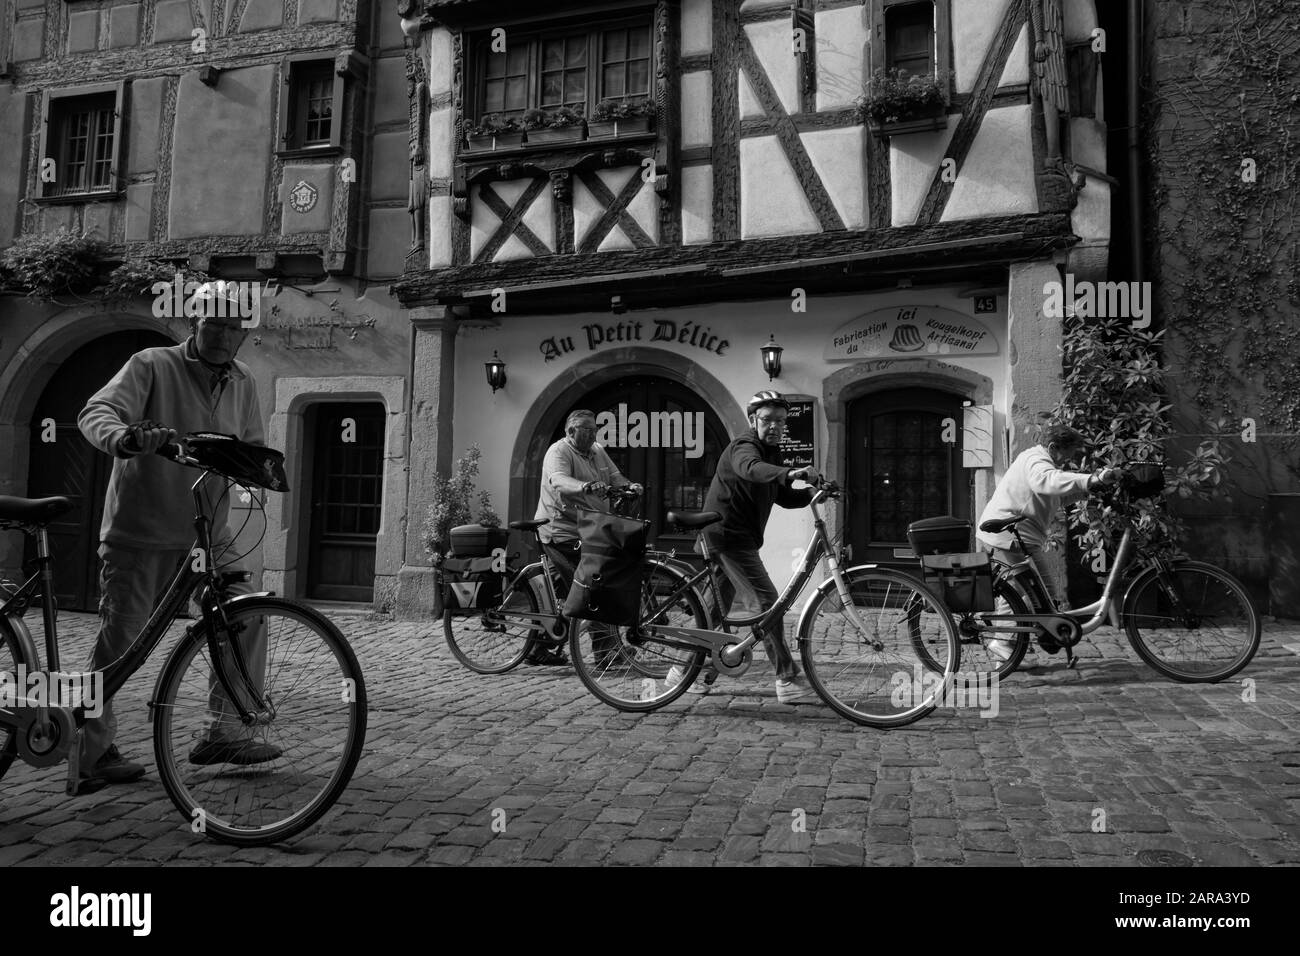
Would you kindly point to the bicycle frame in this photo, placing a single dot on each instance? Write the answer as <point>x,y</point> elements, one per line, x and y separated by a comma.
<point>212,584</point>
<point>728,656</point>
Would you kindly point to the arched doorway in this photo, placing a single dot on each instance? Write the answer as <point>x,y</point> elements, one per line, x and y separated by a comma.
<point>659,433</point>
<point>62,462</point>
<point>904,464</point>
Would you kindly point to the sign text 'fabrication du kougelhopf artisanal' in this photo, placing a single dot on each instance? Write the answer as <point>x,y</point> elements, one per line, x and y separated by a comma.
<point>909,332</point>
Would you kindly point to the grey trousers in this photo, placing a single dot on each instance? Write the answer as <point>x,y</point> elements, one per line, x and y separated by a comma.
<point>1015,556</point>
<point>746,579</point>
<point>131,582</point>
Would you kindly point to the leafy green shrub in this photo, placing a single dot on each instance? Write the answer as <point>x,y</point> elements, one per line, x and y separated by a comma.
<point>1115,396</point>
<point>450,504</point>
<point>46,265</point>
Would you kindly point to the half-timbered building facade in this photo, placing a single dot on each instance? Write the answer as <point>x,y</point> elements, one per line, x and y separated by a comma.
<point>626,201</point>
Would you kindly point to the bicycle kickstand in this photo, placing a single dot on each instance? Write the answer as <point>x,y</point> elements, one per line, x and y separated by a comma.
<point>1070,659</point>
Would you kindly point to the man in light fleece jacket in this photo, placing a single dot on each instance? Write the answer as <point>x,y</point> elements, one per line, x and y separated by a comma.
<point>148,510</point>
<point>1034,486</point>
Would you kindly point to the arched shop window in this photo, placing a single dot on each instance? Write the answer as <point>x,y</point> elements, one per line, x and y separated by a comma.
<point>662,435</point>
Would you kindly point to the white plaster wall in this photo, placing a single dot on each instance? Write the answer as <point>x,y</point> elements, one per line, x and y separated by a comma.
<point>439,231</point>
<point>774,45</point>
<point>836,154</point>
<point>586,210</point>
<point>697,27</point>
<point>493,421</point>
<point>998,177</point>
<point>484,222</point>
<point>697,109</point>
<point>842,39</point>
<point>1090,219</point>
<point>1080,17</point>
<point>697,205</point>
<point>1017,70</point>
<point>439,60</point>
<point>772,203</point>
<point>644,208</point>
<point>749,108</point>
<point>441,146</point>
<point>974,24</point>
<point>913,160</point>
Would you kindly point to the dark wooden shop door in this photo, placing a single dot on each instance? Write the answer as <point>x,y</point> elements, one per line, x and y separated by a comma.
<point>902,470</point>
<point>72,467</point>
<point>347,497</point>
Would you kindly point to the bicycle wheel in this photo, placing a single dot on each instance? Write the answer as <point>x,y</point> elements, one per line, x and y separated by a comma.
<point>630,669</point>
<point>1216,634</point>
<point>11,656</point>
<point>489,644</point>
<point>874,675</point>
<point>265,782</point>
<point>974,635</point>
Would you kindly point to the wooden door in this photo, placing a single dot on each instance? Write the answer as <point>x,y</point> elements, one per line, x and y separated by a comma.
<point>347,499</point>
<point>904,465</point>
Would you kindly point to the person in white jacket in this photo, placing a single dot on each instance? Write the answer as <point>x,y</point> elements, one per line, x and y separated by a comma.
<point>1034,487</point>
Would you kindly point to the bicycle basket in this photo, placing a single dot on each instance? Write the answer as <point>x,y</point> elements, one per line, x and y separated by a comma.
<point>965,580</point>
<point>607,581</point>
<point>1144,479</point>
<point>247,464</point>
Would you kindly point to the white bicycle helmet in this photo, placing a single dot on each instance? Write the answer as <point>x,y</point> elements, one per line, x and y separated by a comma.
<point>766,397</point>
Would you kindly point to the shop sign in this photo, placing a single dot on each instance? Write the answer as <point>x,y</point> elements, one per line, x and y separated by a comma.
<point>798,445</point>
<point>910,332</point>
<point>625,429</point>
<point>668,331</point>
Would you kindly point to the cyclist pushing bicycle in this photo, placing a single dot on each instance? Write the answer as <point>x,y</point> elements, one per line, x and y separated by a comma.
<point>576,472</point>
<point>196,386</point>
<point>1033,487</point>
<point>751,479</point>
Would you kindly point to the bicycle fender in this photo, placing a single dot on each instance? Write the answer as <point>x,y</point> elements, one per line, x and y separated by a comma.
<point>827,585</point>
<point>17,627</point>
<point>190,634</point>
<point>1141,578</point>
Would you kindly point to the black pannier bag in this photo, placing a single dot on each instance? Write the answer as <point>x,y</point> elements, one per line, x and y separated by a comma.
<point>965,581</point>
<point>607,582</point>
<point>470,584</point>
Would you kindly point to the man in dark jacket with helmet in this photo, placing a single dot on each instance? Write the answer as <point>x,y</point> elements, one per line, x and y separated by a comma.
<point>751,479</point>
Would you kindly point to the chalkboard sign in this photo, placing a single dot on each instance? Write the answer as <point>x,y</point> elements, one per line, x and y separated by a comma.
<point>798,447</point>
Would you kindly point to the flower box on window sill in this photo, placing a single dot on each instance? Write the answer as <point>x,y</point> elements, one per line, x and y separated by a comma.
<point>606,129</point>
<point>493,142</point>
<point>927,122</point>
<point>557,134</point>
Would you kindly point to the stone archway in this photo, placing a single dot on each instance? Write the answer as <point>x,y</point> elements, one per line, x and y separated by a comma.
<point>548,409</point>
<point>30,369</point>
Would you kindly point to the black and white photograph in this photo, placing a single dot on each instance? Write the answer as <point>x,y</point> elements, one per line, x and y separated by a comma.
<point>651,434</point>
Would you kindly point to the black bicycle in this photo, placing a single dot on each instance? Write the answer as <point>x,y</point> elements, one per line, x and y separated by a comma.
<point>259,712</point>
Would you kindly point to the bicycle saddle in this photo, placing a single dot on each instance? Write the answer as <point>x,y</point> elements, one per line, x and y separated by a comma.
<point>529,525</point>
<point>32,510</point>
<point>693,519</point>
<point>998,525</point>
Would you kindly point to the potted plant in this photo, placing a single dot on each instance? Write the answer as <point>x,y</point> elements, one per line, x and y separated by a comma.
<point>903,103</point>
<point>564,125</point>
<point>620,118</point>
<point>495,132</point>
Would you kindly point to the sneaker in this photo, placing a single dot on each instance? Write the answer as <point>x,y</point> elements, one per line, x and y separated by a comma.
<point>114,768</point>
<point>999,648</point>
<point>795,691</point>
<point>241,752</point>
<point>700,685</point>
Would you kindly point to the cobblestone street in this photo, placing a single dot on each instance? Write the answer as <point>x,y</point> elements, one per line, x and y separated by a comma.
<point>727,778</point>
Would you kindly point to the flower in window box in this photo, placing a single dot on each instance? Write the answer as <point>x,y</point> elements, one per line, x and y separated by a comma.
<point>901,102</point>
<point>620,117</point>
<point>495,131</point>
<point>562,125</point>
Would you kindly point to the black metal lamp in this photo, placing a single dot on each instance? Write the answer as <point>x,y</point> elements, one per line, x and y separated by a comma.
<point>496,372</point>
<point>771,353</point>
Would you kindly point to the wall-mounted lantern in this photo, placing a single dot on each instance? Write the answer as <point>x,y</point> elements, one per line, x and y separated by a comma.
<point>772,358</point>
<point>496,372</point>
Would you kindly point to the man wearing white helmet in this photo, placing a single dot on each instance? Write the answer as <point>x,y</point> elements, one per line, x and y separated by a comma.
<point>751,479</point>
